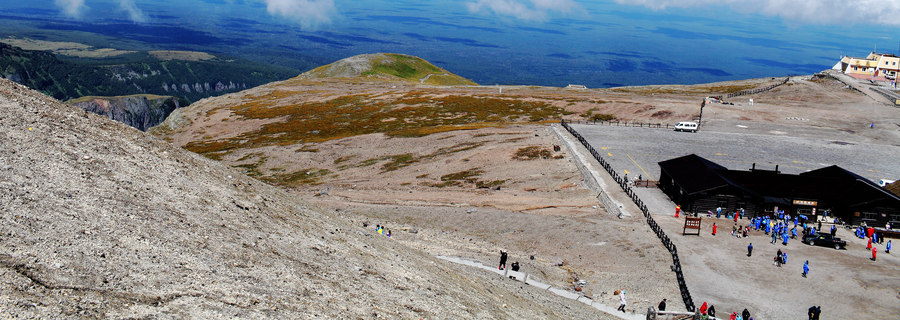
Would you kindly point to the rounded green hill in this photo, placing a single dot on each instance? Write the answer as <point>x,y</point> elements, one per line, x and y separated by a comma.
<point>388,66</point>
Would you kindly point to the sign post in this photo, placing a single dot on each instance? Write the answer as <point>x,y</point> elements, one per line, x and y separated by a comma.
<point>692,224</point>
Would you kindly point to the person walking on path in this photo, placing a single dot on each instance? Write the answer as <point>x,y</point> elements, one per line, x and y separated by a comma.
<point>888,248</point>
<point>621,301</point>
<point>874,251</point>
<point>750,249</point>
<point>778,258</point>
<point>502,260</point>
<point>662,305</point>
<point>714,228</point>
<point>805,268</point>
<point>833,230</point>
<point>869,246</point>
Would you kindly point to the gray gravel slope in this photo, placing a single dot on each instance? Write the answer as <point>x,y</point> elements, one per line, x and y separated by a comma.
<point>100,220</point>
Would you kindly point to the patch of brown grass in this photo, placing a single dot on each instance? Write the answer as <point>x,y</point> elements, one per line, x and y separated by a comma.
<point>534,152</point>
<point>415,114</point>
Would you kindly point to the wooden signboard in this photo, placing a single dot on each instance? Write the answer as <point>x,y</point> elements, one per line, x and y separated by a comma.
<point>693,224</point>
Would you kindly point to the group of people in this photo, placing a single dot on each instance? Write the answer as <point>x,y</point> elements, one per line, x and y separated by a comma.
<point>382,231</point>
<point>864,232</point>
<point>778,229</point>
<point>814,312</point>
<point>503,257</point>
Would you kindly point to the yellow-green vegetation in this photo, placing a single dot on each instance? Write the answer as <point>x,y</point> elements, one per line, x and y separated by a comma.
<point>602,117</point>
<point>389,66</point>
<point>398,161</point>
<point>343,159</point>
<point>402,66</point>
<point>534,152</point>
<point>447,79</point>
<point>489,184</point>
<point>467,176</point>
<point>308,148</point>
<point>311,176</point>
<point>252,168</point>
<point>415,114</point>
<point>457,178</point>
<point>589,114</point>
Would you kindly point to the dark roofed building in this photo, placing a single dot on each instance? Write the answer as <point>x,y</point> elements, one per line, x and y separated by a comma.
<point>894,188</point>
<point>700,185</point>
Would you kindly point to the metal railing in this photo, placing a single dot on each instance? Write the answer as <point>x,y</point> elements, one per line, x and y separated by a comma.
<point>754,91</point>
<point>620,123</point>
<point>623,183</point>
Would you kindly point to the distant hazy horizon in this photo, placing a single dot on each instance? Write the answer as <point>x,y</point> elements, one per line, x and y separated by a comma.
<point>533,42</point>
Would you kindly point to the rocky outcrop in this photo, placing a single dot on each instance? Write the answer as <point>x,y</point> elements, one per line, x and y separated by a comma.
<point>139,111</point>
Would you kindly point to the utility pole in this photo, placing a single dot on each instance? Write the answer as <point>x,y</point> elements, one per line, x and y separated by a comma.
<point>700,119</point>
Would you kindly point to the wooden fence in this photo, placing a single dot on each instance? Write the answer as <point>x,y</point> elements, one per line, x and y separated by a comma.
<point>624,184</point>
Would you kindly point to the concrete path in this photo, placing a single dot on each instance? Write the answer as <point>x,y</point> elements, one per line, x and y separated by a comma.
<point>524,277</point>
<point>596,177</point>
<point>861,85</point>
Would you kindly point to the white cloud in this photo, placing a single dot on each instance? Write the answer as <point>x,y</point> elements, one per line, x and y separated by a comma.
<point>71,8</point>
<point>884,12</point>
<point>309,13</point>
<point>535,10</point>
<point>134,13</point>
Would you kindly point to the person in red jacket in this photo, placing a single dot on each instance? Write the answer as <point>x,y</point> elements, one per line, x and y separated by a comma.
<point>874,252</point>
<point>714,229</point>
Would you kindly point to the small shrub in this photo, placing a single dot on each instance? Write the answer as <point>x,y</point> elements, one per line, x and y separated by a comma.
<point>532,152</point>
<point>603,117</point>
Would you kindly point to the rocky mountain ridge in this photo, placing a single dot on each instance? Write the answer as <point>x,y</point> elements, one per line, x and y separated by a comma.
<point>178,74</point>
<point>139,111</point>
<point>100,220</point>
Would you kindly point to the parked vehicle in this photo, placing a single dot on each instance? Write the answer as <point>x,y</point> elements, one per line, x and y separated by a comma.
<point>687,126</point>
<point>825,240</point>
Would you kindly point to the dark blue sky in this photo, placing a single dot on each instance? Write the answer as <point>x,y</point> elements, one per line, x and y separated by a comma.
<point>540,42</point>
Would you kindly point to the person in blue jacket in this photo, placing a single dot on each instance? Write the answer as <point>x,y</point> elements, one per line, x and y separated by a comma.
<point>805,268</point>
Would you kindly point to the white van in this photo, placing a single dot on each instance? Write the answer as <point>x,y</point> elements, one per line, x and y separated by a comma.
<point>688,126</point>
